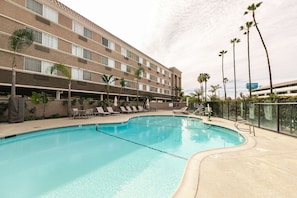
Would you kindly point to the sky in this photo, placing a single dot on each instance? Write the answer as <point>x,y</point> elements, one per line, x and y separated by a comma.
<point>189,34</point>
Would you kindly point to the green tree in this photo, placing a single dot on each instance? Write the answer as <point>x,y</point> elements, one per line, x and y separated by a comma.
<point>222,53</point>
<point>108,80</point>
<point>38,98</point>
<point>204,77</point>
<point>18,41</point>
<point>65,71</point>
<point>138,73</point>
<point>252,8</point>
<point>247,27</point>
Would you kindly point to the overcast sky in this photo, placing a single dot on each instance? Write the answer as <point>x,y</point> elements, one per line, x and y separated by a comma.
<point>189,34</point>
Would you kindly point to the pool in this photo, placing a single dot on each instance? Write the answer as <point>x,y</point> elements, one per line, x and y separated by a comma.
<point>144,157</point>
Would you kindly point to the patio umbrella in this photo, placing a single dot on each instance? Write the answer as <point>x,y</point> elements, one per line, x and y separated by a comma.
<point>187,101</point>
<point>115,101</point>
<point>147,103</point>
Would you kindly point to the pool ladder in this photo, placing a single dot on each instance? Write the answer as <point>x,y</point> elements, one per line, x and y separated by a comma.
<point>250,129</point>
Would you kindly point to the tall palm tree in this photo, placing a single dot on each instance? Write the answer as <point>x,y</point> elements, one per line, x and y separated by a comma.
<point>137,75</point>
<point>222,53</point>
<point>252,8</point>
<point>108,80</point>
<point>200,79</point>
<point>247,27</point>
<point>204,78</point>
<point>233,42</point>
<point>18,41</point>
<point>65,71</point>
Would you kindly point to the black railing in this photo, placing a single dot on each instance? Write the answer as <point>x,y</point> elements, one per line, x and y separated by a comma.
<point>274,116</point>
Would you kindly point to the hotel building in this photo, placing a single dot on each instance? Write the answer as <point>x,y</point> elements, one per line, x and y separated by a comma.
<point>61,35</point>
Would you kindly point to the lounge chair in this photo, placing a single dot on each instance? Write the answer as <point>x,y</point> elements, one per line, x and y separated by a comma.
<point>134,109</point>
<point>123,109</point>
<point>129,110</point>
<point>111,111</point>
<point>75,112</point>
<point>101,111</point>
<point>182,110</point>
<point>141,109</point>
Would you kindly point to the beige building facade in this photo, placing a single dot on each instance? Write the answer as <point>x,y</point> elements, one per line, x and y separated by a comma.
<point>62,35</point>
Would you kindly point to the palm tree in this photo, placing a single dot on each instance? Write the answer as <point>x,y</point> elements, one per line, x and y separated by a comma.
<point>65,71</point>
<point>203,77</point>
<point>247,27</point>
<point>234,41</point>
<point>123,84</point>
<point>177,91</point>
<point>18,41</point>
<point>137,75</point>
<point>200,79</point>
<point>252,8</point>
<point>108,80</point>
<point>222,53</point>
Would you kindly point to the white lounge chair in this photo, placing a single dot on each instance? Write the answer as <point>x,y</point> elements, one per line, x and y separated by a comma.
<point>129,110</point>
<point>123,109</point>
<point>134,109</point>
<point>101,111</point>
<point>110,110</point>
<point>182,110</point>
<point>141,109</point>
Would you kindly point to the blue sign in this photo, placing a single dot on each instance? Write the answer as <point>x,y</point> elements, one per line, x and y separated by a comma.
<point>252,85</point>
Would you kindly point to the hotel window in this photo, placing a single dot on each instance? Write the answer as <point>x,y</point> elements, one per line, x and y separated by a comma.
<point>148,76</point>
<point>107,43</point>
<point>80,29</point>
<point>148,88</point>
<point>125,68</point>
<point>77,51</point>
<point>163,81</point>
<point>87,54</point>
<point>50,14</point>
<point>38,66</point>
<point>45,39</point>
<point>148,64</point>
<point>139,59</point>
<point>158,69</point>
<point>79,74</point>
<point>163,71</point>
<point>158,80</point>
<point>140,86</point>
<point>81,52</point>
<point>43,10</point>
<point>125,52</point>
<point>108,62</point>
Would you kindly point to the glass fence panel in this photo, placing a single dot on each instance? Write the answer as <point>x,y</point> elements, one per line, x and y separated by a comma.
<point>288,119</point>
<point>268,116</point>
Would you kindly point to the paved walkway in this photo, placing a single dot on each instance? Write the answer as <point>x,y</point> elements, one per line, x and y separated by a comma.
<point>266,166</point>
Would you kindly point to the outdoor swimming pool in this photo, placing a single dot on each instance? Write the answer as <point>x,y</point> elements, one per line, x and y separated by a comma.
<point>144,157</point>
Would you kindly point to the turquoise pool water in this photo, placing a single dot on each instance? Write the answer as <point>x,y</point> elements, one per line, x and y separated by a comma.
<point>144,157</point>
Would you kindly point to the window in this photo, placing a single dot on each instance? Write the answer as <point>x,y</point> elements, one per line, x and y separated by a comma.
<point>148,88</point>
<point>148,64</point>
<point>38,66</point>
<point>50,14</point>
<point>32,65</point>
<point>107,43</point>
<point>158,69</point>
<point>125,52</point>
<point>43,10</point>
<point>77,51</point>
<point>34,6</point>
<point>80,29</point>
<point>108,62</point>
<point>140,86</point>
<point>87,75</point>
<point>87,54</point>
<point>158,80</point>
<point>88,33</point>
<point>139,59</point>
<point>45,39</point>
<point>163,71</point>
<point>125,68</point>
<point>148,76</point>
<point>49,41</point>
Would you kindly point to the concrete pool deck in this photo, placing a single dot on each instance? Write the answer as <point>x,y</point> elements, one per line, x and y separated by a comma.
<point>265,166</point>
